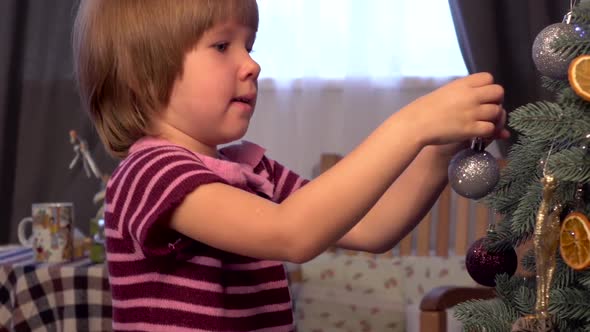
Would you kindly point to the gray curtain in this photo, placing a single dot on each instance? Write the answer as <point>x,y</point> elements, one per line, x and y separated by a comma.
<point>497,36</point>
<point>38,106</point>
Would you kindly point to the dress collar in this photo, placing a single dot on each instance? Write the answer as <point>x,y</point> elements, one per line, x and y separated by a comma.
<point>235,164</point>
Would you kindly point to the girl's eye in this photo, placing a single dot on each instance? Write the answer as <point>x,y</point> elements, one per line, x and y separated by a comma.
<point>221,47</point>
<point>249,47</point>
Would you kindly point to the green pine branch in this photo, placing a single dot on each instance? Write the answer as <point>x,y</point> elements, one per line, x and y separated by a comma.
<point>581,13</point>
<point>550,122</point>
<point>504,203</point>
<point>524,299</point>
<point>570,165</point>
<point>523,223</point>
<point>524,159</point>
<point>568,98</point>
<point>515,292</point>
<point>553,85</point>
<point>571,48</point>
<point>504,198</point>
<point>503,238</point>
<point>584,279</point>
<point>564,277</point>
<point>486,315</point>
<point>528,261</point>
<point>570,304</point>
<point>571,325</point>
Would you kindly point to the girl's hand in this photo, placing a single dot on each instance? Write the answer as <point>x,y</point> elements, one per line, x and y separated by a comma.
<point>450,149</point>
<point>459,111</point>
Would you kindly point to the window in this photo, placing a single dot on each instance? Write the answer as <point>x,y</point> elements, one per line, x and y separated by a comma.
<point>366,39</point>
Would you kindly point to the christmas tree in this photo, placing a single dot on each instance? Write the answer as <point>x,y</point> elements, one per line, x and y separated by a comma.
<point>543,196</point>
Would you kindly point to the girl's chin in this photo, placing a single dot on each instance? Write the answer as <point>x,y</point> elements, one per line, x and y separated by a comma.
<point>234,137</point>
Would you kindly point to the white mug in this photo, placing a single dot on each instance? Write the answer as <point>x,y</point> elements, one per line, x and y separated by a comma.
<point>52,231</point>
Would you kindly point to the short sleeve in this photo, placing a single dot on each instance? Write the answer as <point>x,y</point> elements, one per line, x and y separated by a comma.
<point>146,190</point>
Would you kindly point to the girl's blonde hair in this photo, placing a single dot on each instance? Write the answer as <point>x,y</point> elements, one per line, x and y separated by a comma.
<point>128,53</point>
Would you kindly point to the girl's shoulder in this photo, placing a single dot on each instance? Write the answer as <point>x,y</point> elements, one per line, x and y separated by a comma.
<point>145,155</point>
<point>151,160</point>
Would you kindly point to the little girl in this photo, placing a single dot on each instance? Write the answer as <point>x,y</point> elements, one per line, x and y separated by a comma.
<point>196,235</point>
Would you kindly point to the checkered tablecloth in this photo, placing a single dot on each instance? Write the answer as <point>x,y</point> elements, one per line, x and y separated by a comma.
<point>73,296</point>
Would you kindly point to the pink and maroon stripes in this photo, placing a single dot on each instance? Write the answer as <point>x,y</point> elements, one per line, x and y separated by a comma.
<point>162,280</point>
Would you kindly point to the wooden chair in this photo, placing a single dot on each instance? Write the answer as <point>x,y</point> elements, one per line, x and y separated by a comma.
<point>469,217</point>
<point>434,305</point>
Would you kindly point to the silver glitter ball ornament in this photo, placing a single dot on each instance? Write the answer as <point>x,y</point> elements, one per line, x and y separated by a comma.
<point>473,173</point>
<point>547,61</point>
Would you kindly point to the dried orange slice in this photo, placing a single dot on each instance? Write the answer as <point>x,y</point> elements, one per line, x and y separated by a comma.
<point>579,76</point>
<point>574,241</point>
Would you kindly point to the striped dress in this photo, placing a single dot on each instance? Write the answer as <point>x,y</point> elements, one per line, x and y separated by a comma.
<point>164,281</point>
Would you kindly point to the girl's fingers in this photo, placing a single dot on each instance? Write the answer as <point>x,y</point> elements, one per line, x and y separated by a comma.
<point>501,131</point>
<point>479,79</point>
<point>492,93</point>
<point>489,112</point>
<point>495,114</point>
<point>504,134</point>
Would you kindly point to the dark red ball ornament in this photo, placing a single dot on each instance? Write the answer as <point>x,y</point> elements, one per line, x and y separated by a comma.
<point>483,265</point>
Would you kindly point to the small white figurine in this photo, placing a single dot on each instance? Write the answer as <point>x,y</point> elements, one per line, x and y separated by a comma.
<point>81,149</point>
<point>82,153</point>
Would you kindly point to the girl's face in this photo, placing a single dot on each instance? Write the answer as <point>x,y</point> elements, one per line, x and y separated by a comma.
<point>213,100</point>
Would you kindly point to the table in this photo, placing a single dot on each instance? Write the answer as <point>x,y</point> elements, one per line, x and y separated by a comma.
<point>72,296</point>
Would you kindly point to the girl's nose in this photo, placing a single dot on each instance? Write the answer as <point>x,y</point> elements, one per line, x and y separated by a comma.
<point>250,69</point>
